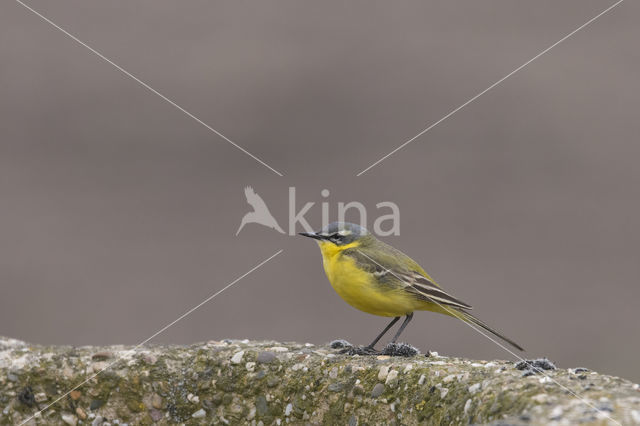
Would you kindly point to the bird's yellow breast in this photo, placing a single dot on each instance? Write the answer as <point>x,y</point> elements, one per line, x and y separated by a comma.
<point>359,288</point>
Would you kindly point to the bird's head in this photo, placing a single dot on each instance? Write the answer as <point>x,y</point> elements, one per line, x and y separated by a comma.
<point>340,234</point>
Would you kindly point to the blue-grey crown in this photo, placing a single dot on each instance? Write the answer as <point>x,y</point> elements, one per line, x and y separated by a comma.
<point>344,228</point>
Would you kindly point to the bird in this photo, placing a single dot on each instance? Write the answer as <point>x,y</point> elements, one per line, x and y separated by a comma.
<point>379,279</point>
<point>260,213</point>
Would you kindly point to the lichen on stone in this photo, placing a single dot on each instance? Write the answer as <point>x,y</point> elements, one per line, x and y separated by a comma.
<point>248,382</point>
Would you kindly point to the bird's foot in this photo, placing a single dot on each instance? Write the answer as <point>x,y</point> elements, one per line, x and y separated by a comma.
<point>392,349</point>
<point>347,348</point>
<point>400,349</point>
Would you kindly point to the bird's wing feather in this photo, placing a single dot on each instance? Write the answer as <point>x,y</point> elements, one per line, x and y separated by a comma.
<point>431,292</point>
<point>395,269</point>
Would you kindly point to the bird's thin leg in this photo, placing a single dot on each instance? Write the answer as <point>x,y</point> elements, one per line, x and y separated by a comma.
<point>404,324</point>
<point>393,321</point>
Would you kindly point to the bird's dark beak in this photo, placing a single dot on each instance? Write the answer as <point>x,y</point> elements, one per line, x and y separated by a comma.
<point>312,235</point>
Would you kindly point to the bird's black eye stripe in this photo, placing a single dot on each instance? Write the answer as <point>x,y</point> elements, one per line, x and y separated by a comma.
<point>337,236</point>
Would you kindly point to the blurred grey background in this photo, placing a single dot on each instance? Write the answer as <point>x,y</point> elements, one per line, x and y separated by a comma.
<point>118,212</point>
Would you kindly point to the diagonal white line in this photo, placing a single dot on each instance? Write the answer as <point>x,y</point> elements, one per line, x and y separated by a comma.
<point>146,86</point>
<point>157,332</point>
<point>575,395</point>
<point>491,87</point>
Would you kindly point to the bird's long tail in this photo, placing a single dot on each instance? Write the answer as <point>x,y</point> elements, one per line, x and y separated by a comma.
<point>467,317</point>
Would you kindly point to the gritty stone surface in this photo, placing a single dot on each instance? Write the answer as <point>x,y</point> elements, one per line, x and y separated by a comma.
<point>80,413</point>
<point>155,415</point>
<point>392,378</point>
<point>474,388</point>
<point>199,414</point>
<point>273,383</point>
<point>266,357</point>
<point>156,401</point>
<point>69,419</point>
<point>383,372</point>
<point>378,390</point>
<point>237,357</point>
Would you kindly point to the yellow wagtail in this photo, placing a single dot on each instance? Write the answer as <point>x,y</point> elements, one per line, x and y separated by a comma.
<point>381,280</point>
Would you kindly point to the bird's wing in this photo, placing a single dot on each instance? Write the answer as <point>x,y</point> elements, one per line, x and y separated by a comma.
<point>427,289</point>
<point>395,269</point>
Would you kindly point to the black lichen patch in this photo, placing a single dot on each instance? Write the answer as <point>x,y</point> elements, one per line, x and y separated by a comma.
<point>26,397</point>
<point>400,349</point>
<point>360,350</point>
<point>95,404</point>
<point>530,367</point>
<point>392,349</point>
<point>340,344</point>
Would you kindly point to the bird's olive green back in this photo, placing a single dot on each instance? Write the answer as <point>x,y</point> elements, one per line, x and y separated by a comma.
<point>371,254</point>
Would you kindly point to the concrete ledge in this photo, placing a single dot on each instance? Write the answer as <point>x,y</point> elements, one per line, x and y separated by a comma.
<point>248,382</point>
